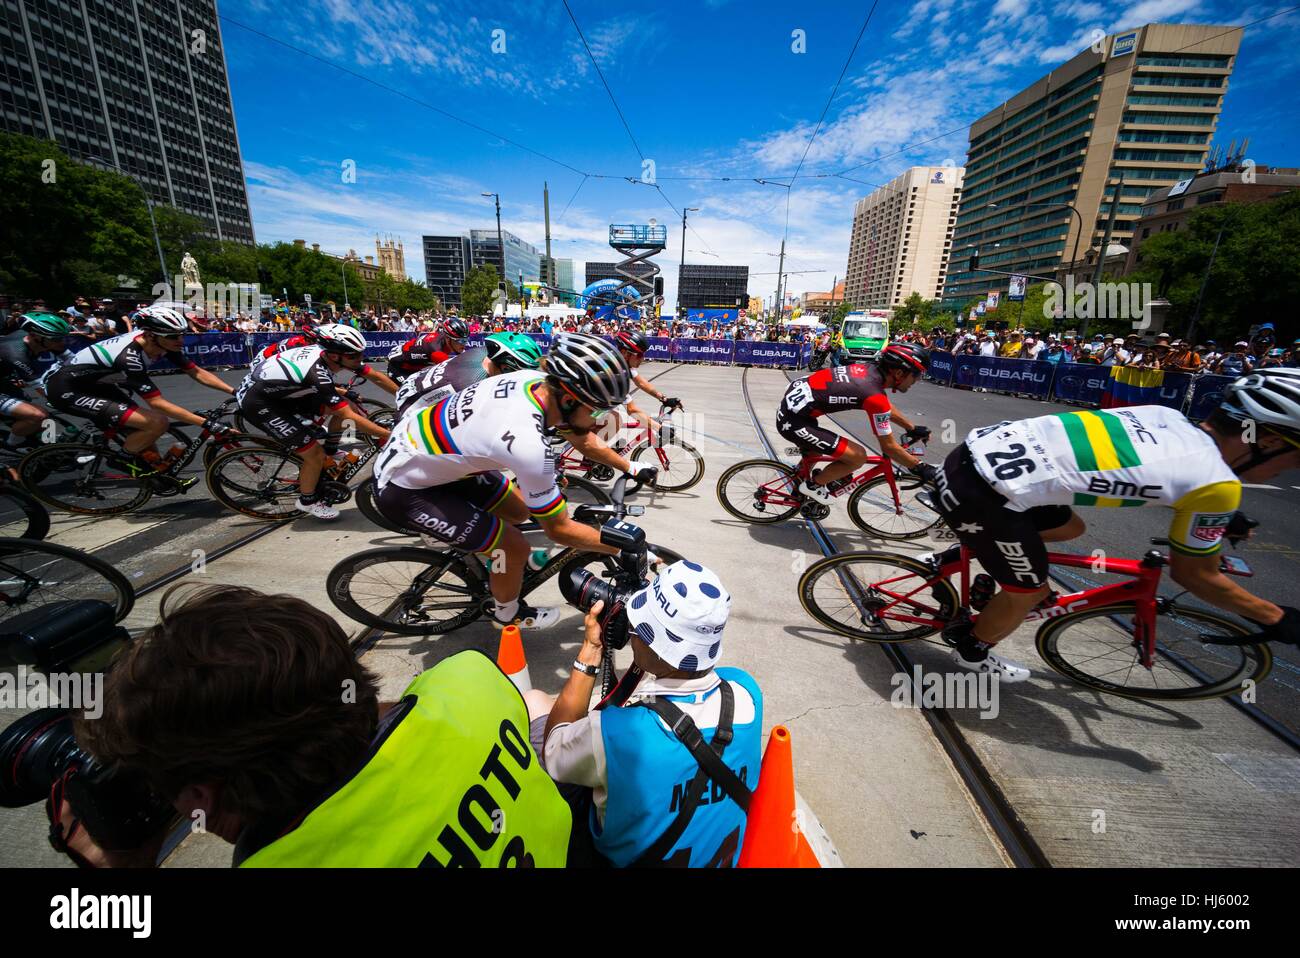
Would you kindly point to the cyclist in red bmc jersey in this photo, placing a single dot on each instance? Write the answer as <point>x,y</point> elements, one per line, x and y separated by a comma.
<point>423,351</point>
<point>840,388</point>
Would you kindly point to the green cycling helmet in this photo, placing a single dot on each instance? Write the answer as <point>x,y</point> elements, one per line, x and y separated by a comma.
<point>513,351</point>
<point>46,324</point>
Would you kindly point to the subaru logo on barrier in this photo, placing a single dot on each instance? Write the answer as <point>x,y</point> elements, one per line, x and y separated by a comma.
<point>203,349</point>
<point>1014,375</point>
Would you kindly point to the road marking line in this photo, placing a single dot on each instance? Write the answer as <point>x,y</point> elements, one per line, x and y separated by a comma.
<point>1261,485</point>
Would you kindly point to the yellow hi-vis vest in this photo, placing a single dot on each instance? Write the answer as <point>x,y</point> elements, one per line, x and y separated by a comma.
<point>455,783</point>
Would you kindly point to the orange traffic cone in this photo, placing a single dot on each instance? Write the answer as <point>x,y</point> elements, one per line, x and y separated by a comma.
<point>772,836</point>
<point>510,657</point>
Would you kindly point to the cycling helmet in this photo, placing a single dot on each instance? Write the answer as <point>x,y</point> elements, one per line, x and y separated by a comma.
<point>590,369</point>
<point>633,341</point>
<point>45,324</point>
<point>1270,397</point>
<point>310,333</point>
<point>337,338</point>
<point>455,328</point>
<point>905,357</point>
<point>513,351</point>
<point>162,320</point>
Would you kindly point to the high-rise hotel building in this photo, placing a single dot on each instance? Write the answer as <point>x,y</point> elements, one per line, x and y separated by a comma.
<point>1144,105</point>
<point>138,86</point>
<point>902,236</point>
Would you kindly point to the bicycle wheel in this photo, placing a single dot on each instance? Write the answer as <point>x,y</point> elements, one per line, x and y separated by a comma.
<point>759,490</point>
<point>262,484</point>
<point>680,465</point>
<point>877,596</point>
<point>34,574</point>
<point>579,491</point>
<point>87,480</point>
<point>872,509</point>
<point>21,516</point>
<point>1095,647</point>
<point>407,590</point>
<point>216,447</point>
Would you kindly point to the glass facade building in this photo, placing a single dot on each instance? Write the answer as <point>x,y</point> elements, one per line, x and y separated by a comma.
<point>138,86</point>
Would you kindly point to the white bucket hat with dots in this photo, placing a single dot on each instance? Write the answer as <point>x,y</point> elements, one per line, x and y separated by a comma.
<point>681,615</point>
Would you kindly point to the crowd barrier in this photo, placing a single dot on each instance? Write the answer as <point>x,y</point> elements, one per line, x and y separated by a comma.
<point>236,349</point>
<point>1085,384</point>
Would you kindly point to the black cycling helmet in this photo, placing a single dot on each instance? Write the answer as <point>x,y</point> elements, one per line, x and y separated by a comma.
<point>904,357</point>
<point>590,369</point>
<point>633,340</point>
<point>455,328</point>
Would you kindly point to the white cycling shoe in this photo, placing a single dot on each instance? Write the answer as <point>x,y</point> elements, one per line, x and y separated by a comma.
<point>530,618</point>
<point>1005,669</point>
<point>318,509</point>
<point>819,493</point>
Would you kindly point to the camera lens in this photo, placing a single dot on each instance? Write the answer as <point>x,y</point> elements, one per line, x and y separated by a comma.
<point>582,589</point>
<point>34,752</point>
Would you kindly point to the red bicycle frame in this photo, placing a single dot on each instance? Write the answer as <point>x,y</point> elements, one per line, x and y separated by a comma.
<point>1139,588</point>
<point>781,492</point>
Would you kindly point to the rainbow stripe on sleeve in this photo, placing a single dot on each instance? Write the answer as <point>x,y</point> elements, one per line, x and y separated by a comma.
<point>432,432</point>
<point>549,509</point>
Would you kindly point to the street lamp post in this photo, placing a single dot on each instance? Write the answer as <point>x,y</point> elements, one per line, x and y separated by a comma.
<point>500,245</point>
<point>682,268</point>
<point>1074,255</point>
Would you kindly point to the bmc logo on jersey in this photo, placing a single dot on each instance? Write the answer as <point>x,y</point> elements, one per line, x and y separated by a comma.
<point>1120,489</point>
<point>1210,528</point>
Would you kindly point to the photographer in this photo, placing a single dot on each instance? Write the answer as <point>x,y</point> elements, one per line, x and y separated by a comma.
<point>653,801</point>
<point>251,715</point>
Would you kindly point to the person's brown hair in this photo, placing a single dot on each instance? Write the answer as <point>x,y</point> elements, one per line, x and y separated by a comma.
<point>258,693</point>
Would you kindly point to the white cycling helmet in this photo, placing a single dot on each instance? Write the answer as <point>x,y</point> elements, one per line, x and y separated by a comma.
<point>1270,397</point>
<point>162,320</point>
<point>338,338</point>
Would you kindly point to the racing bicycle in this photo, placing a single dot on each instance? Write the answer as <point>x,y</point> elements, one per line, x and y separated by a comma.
<point>35,574</point>
<point>432,589</point>
<point>680,464</point>
<point>96,478</point>
<point>882,500</point>
<point>1121,638</point>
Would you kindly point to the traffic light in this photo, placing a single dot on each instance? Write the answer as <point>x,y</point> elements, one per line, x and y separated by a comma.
<point>975,260</point>
<point>659,285</point>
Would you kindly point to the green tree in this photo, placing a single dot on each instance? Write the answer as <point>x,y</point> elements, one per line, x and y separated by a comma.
<point>1256,273</point>
<point>75,228</point>
<point>478,291</point>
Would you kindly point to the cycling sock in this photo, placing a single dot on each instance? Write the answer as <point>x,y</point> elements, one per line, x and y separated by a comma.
<point>505,612</point>
<point>332,442</point>
<point>307,498</point>
<point>972,649</point>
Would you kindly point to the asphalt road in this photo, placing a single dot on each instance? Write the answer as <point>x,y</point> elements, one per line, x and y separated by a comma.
<point>1273,552</point>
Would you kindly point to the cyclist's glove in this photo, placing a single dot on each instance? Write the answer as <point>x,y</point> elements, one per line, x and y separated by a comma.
<point>1285,629</point>
<point>1239,527</point>
<point>917,434</point>
<point>925,471</point>
<point>645,475</point>
<point>673,403</point>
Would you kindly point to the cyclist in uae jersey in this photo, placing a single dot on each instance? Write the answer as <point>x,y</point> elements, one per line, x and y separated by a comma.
<point>899,366</point>
<point>93,383</point>
<point>307,337</point>
<point>422,351</point>
<point>443,470</point>
<point>286,394</point>
<point>1009,488</point>
<point>25,356</point>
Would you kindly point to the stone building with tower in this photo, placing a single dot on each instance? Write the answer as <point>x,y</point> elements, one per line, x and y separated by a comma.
<point>391,257</point>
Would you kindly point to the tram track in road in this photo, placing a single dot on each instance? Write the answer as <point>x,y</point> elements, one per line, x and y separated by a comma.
<point>1011,831</point>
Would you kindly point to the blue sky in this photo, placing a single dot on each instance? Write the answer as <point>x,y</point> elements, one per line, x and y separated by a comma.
<point>709,88</point>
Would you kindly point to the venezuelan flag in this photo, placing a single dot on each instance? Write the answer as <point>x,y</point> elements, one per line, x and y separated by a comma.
<point>1132,386</point>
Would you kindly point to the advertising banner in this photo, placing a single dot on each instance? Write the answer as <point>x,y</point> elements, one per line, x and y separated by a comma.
<point>1206,395</point>
<point>1082,383</point>
<point>941,367</point>
<point>787,355</point>
<point>661,348</point>
<point>378,345</point>
<point>702,350</point>
<point>1004,375</point>
<point>217,349</point>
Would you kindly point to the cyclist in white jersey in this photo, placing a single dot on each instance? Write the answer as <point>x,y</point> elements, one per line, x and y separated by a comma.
<point>1009,488</point>
<point>442,471</point>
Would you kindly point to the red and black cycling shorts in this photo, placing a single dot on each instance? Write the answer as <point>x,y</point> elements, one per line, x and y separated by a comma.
<point>1007,543</point>
<point>811,438</point>
<point>458,513</point>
